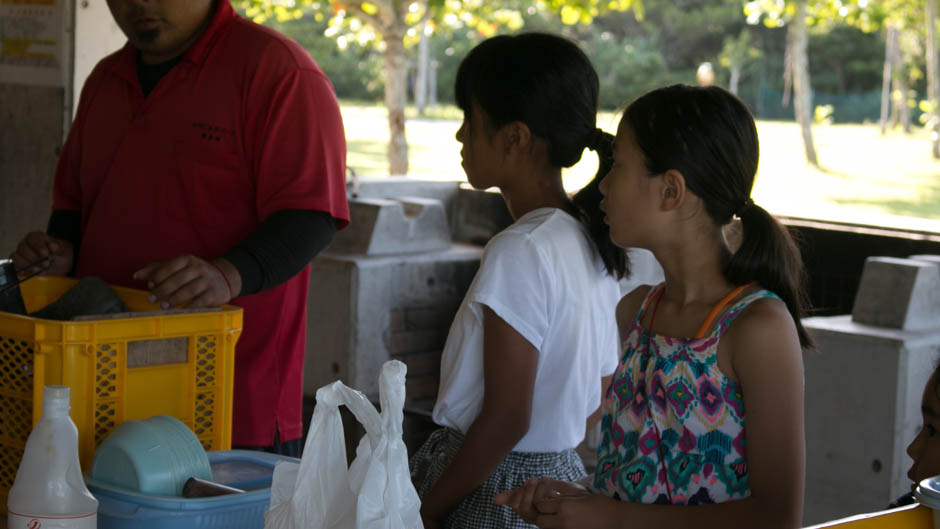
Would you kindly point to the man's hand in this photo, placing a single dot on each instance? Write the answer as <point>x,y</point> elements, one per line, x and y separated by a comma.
<point>187,279</point>
<point>38,249</point>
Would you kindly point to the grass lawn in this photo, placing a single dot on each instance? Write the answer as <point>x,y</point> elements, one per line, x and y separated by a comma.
<point>865,178</point>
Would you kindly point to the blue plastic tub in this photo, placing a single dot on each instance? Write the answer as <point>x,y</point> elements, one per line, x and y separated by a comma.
<point>120,508</point>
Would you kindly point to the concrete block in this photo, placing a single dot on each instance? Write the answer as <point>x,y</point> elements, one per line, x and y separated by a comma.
<point>474,216</point>
<point>330,322</point>
<point>363,310</point>
<point>423,363</point>
<point>862,408</point>
<point>391,226</point>
<point>385,187</point>
<point>935,259</point>
<point>479,215</point>
<point>898,294</point>
<point>415,319</point>
<point>422,387</point>
<point>401,342</point>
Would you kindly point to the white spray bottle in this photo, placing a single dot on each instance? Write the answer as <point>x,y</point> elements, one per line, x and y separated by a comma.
<point>49,492</point>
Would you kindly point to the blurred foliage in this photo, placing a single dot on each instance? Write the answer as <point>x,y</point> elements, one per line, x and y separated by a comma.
<point>846,59</point>
<point>822,114</point>
<point>486,16</point>
<point>738,50</point>
<point>633,51</point>
<point>867,15</point>
<point>622,80</point>
<point>355,69</point>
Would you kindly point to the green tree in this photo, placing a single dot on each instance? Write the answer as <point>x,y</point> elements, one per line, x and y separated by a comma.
<point>736,53</point>
<point>353,67</point>
<point>910,29</point>
<point>798,16</point>
<point>906,24</point>
<point>394,24</point>
<point>897,17</point>
<point>904,30</point>
<point>933,81</point>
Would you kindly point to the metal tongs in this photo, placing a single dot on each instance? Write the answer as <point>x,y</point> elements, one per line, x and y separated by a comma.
<point>33,269</point>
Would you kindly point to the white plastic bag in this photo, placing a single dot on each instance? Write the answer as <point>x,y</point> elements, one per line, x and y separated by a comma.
<point>375,492</point>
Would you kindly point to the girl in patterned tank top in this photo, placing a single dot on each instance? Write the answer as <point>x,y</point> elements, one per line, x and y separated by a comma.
<point>703,421</point>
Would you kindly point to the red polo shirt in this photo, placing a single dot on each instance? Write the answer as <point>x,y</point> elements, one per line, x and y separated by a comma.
<point>245,125</point>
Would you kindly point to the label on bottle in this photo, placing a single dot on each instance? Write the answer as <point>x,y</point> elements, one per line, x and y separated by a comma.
<point>20,521</point>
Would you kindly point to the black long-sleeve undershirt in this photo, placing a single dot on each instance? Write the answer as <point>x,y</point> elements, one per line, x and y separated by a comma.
<point>66,224</point>
<point>279,248</point>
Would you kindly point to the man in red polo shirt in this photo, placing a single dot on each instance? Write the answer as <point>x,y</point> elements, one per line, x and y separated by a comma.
<point>206,163</point>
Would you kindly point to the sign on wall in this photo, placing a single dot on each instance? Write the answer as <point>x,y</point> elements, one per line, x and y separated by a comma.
<point>32,42</point>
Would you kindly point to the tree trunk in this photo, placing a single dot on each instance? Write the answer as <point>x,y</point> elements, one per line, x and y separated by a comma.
<point>933,83</point>
<point>396,75</point>
<point>899,95</point>
<point>802,96</point>
<point>735,77</point>
<point>894,117</point>
<point>903,109</point>
<point>891,41</point>
<point>432,83</point>
<point>787,68</point>
<point>421,79</point>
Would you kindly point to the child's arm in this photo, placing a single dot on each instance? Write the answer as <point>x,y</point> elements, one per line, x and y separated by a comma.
<point>767,360</point>
<point>509,368</point>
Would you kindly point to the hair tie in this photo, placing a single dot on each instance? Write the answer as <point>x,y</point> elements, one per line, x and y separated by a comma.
<point>596,139</point>
<point>743,207</point>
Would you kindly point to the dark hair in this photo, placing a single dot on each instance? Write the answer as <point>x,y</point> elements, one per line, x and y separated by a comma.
<point>548,83</point>
<point>935,376</point>
<point>709,136</point>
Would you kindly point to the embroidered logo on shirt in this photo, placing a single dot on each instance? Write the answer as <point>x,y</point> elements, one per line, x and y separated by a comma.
<point>209,132</point>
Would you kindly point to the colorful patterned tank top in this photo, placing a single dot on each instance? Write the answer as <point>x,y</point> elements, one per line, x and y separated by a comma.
<point>673,423</point>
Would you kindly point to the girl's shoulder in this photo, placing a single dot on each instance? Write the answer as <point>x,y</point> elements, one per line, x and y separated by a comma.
<point>763,334</point>
<point>761,318</point>
<point>533,229</point>
<point>753,301</point>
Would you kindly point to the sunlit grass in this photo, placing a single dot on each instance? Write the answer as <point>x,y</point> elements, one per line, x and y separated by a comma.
<point>865,178</point>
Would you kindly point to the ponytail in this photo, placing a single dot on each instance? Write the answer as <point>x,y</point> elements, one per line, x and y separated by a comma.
<point>587,202</point>
<point>769,256</point>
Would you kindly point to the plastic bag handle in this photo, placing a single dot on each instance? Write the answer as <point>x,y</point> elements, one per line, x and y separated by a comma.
<point>322,492</point>
<point>337,393</point>
<point>392,394</point>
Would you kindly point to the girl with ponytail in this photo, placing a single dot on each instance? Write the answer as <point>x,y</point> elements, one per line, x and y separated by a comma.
<point>706,406</point>
<point>523,367</point>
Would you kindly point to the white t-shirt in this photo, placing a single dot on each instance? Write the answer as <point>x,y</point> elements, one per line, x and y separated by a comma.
<point>543,277</point>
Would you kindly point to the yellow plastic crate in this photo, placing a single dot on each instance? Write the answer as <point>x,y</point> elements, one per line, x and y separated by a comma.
<point>914,516</point>
<point>91,358</point>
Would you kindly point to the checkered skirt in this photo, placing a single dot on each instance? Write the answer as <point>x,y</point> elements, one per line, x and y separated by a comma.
<point>477,510</point>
